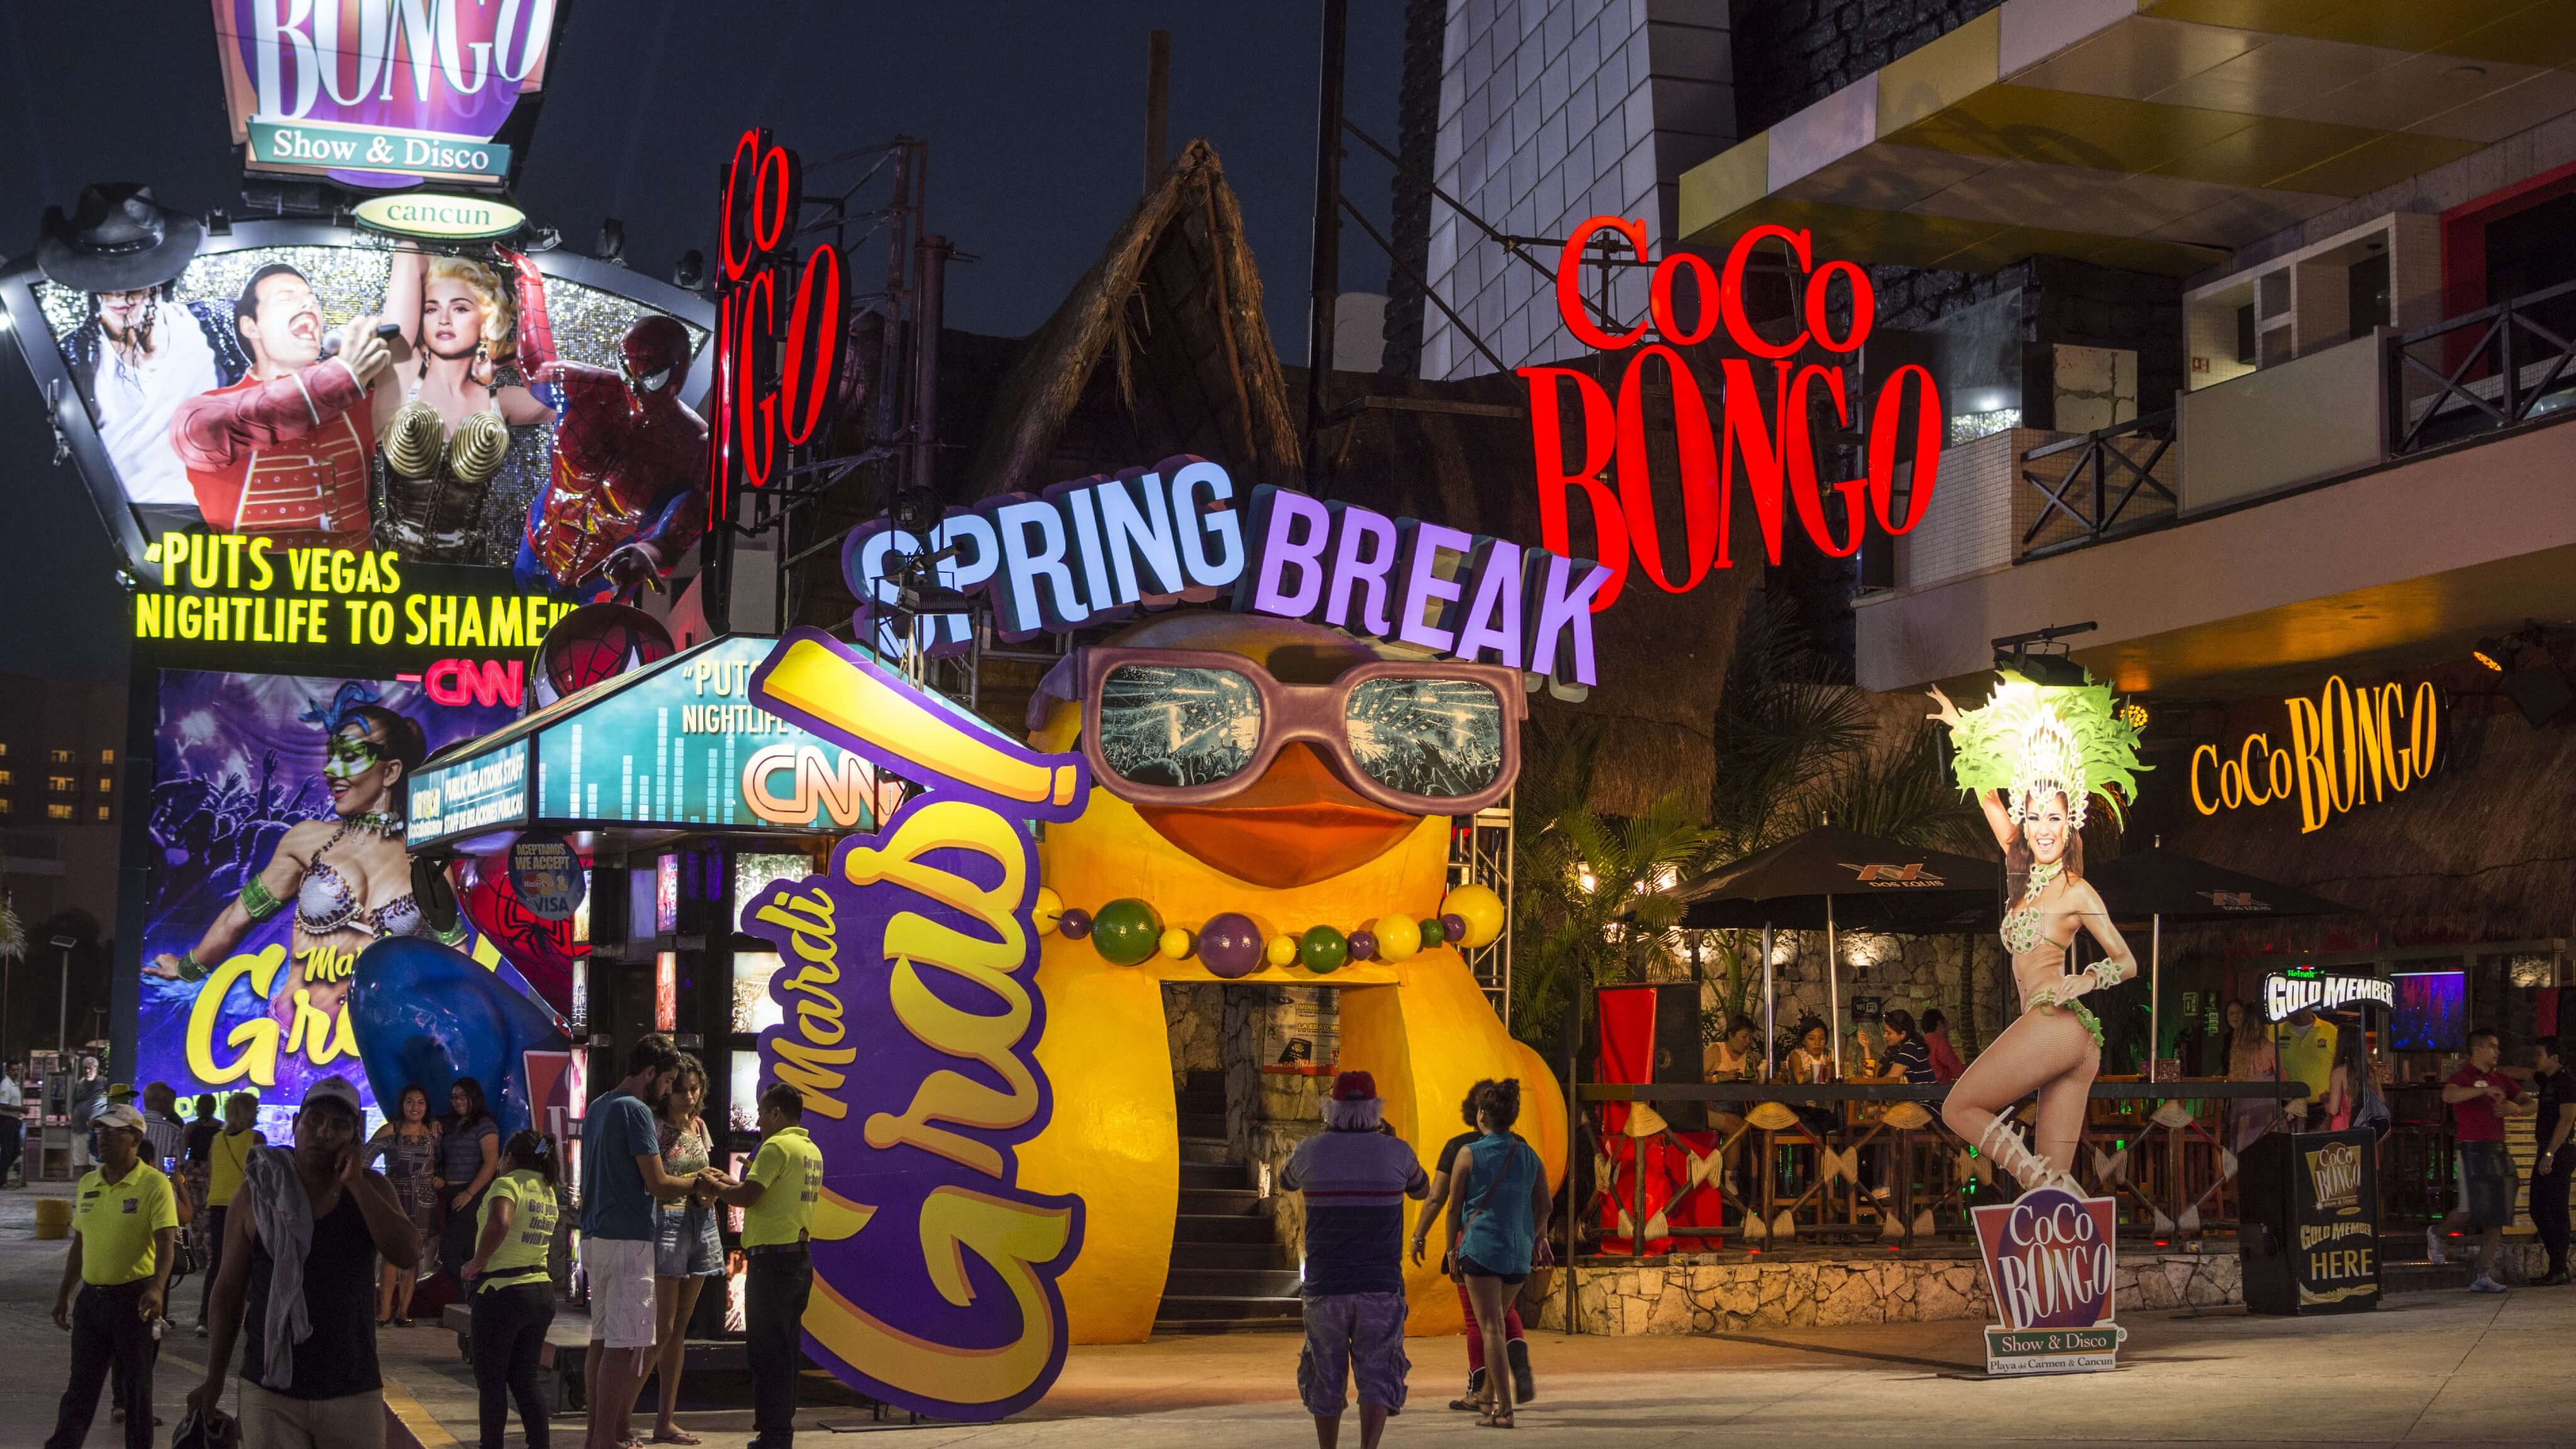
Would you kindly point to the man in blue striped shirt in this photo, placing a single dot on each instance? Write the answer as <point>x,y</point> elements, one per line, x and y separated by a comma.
<point>1356,1178</point>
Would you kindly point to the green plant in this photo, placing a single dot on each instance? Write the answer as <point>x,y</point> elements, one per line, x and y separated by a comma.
<point>1590,903</point>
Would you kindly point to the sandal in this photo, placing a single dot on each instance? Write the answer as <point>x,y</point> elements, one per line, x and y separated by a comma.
<point>1502,1420</point>
<point>1468,1406</point>
<point>677,1436</point>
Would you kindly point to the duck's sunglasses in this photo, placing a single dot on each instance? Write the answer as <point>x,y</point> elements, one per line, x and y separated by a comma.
<point>1186,727</point>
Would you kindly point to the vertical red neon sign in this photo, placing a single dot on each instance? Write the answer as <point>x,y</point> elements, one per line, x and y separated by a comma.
<point>778,352</point>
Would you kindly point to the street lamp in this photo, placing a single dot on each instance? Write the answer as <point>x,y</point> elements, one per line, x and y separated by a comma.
<point>63,1003</point>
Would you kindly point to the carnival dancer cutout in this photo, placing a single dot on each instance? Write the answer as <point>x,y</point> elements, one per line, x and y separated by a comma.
<point>2032,755</point>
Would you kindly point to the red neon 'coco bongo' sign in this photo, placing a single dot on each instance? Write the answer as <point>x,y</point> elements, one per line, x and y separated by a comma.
<point>773,373</point>
<point>1774,445</point>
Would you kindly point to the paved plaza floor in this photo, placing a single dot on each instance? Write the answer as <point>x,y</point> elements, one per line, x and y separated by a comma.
<point>2428,1368</point>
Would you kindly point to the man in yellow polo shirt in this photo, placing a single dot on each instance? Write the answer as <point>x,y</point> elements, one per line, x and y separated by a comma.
<point>777,1196</point>
<point>125,1228</point>
<point>2304,1044</point>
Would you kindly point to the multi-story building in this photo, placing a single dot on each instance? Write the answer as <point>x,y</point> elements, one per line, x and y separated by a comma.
<point>2253,325</point>
<point>62,750</point>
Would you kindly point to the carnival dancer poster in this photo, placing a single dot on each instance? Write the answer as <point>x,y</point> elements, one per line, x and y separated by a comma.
<point>2034,757</point>
<point>277,857</point>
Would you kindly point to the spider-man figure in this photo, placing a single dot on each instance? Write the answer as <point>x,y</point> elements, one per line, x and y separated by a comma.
<point>628,494</point>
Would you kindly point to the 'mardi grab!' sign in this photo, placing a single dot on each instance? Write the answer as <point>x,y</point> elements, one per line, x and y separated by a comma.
<point>1765,429</point>
<point>2347,747</point>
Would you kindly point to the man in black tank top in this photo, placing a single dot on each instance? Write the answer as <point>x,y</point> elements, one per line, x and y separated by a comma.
<point>320,1391</point>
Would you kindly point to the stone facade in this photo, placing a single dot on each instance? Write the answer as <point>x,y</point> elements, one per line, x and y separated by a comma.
<point>1194,1018</point>
<point>1683,1295</point>
<point>1268,1113</point>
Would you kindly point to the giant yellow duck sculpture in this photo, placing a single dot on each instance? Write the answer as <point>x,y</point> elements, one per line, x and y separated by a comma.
<point>1306,842</point>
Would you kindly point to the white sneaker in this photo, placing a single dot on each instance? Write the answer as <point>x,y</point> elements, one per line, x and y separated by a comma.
<point>2484,1284</point>
<point>2433,1246</point>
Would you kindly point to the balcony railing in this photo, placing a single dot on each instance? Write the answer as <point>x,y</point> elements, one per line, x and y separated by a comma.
<point>2026,494</point>
<point>2497,367</point>
<point>2096,485</point>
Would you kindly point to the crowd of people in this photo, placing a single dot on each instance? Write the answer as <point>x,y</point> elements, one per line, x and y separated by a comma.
<point>308,1248</point>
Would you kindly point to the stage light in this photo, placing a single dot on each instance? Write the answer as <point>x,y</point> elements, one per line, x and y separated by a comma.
<point>612,240</point>
<point>690,272</point>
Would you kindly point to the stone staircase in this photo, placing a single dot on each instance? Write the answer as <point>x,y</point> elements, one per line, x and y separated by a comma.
<point>1229,1272</point>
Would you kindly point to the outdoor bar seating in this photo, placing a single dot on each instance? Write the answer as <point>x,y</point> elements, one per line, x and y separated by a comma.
<point>2157,1147</point>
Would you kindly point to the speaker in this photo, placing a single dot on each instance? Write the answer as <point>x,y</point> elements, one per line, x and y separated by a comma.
<point>2541,694</point>
<point>1650,1034</point>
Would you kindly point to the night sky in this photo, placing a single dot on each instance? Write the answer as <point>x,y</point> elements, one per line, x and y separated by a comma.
<point>1034,113</point>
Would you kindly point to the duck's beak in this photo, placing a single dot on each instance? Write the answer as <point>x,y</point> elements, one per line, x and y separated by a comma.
<point>1296,825</point>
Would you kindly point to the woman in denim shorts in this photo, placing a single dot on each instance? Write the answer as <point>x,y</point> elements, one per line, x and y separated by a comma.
<point>687,1249</point>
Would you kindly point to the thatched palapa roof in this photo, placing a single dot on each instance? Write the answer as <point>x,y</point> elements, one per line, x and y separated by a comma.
<point>1161,345</point>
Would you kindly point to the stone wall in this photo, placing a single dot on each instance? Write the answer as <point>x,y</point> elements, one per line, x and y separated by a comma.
<point>1685,1296</point>
<point>1194,1018</point>
<point>1268,1113</point>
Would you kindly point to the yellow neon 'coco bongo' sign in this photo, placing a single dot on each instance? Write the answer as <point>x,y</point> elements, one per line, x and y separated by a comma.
<point>2348,747</point>
<point>910,1021</point>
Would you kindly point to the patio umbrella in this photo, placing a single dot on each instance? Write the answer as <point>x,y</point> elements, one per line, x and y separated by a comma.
<point>1829,878</point>
<point>2158,883</point>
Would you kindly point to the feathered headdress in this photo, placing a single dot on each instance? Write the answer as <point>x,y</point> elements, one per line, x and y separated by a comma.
<point>2033,740</point>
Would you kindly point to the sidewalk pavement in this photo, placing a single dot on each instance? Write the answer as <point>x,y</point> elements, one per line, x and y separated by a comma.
<point>2428,1368</point>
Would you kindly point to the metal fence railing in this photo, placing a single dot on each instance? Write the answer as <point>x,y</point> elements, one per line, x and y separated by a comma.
<point>1745,1164</point>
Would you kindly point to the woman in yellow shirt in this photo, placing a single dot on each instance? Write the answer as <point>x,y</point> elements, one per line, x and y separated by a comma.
<point>514,1289</point>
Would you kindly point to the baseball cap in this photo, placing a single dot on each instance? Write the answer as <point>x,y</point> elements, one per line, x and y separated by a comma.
<point>1354,1087</point>
<point>335,1089</point>
<point>117,1114</point>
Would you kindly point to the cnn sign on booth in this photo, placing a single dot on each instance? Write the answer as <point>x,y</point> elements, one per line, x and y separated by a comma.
<point>1766,434</point>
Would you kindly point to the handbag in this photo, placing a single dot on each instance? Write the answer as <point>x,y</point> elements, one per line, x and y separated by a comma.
<point>217,1430</point>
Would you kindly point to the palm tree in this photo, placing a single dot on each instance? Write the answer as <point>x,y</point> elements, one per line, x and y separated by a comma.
<point>1590,908</point>
<point>1796,745</point>
<point>1799,747</point>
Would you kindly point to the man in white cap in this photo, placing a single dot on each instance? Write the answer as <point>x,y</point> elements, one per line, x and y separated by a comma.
<point>305,1230</point>
<point>125,1229</point>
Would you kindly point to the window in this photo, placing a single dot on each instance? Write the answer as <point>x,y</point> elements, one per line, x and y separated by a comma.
<point>5,804</point>
<point>4,779</point>
<point>64,757</point>
<point>105,784</point>
<point>58,811</point>
<point>102,812</point>
<point>107,757</point>
<point>62,784</point>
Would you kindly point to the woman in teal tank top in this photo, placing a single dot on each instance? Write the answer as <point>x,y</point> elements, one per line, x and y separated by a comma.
<point>1498,1207</point>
